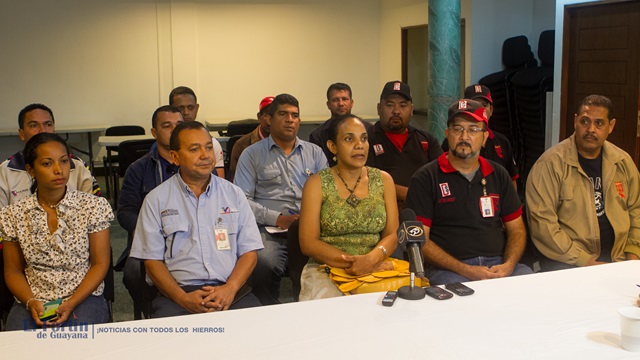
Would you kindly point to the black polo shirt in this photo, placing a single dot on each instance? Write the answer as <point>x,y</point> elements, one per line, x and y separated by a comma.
<point>446,202</point>
<point>419,149</point>
<point>498,149</point>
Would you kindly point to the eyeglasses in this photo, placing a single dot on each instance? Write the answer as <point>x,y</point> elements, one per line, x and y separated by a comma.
<point>473,130</point>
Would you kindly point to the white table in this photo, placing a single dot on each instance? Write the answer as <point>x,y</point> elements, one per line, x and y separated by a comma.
<point>116,140</point>
<point>569,314</point>
<point>66,130</point>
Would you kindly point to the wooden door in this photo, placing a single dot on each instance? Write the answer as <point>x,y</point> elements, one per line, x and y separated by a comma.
<point>601,48</point>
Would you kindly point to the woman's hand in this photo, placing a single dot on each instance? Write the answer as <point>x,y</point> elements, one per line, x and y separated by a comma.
<point>64,311</point>
<point>36,308</point>
<point>360,264</point>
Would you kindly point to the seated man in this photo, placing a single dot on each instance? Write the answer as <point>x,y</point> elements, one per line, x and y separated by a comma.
<point>497,147</point>
<point>583,195</point>
<point>272,173</point>
<point>185,100</point>
<point>261,132</point>
<point>470,210</point>
<point>395,146</point>
<point>15,182</point>
<point>196,271</point>
<point>339,102</point>
<point>141,177</point>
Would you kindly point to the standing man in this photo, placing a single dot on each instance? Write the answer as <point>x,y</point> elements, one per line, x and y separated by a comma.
<point>185,100</point>
<point>397,147</point>
<point>497,147</point>
<point>583,195</point>
<point>339,102</point>
<point>470,210</point>
<point>272,173</point>
<point>261,132</point>
<point>196,271</point>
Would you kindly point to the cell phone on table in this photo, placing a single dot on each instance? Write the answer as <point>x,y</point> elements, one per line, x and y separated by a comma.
<point>438,293</point>
<point>389,298</point>
<point>49,313</point>
<point>459,289</point>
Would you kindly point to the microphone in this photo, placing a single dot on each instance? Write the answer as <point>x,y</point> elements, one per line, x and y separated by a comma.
<point>410,239</point>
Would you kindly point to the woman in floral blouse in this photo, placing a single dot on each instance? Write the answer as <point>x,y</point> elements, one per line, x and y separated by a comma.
<point>56,243</point>
<point>349,213</point>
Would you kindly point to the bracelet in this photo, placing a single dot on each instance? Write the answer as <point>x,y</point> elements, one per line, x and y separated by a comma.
<point>384,251</point>
<point>27,304</point>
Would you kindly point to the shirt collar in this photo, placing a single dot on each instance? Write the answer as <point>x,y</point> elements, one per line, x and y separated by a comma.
<point>271,143</point>
<point>187,190</point>
<point>67,202</point>
<point>447,168</point>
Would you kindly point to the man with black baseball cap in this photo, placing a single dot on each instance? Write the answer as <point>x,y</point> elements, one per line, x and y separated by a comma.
<point>497,147</point>
<point>395,146</point>
<point>471,213</point>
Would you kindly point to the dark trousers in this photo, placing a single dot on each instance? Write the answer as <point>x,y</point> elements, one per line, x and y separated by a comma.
<point>162,306</point>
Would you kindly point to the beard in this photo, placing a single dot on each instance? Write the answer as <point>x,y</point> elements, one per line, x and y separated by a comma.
<point>463,156</point>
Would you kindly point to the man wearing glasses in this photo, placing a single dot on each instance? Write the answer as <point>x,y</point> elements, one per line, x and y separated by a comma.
<point>470,210</point>
<point>583,195</point>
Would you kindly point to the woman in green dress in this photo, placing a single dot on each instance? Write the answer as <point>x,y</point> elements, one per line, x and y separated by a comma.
<point>349,214</point>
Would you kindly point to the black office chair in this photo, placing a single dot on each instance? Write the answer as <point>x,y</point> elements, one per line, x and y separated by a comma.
<point>227,156</point>
<point>241,127</point>
<point>110,161</point>
<point>128,152</point>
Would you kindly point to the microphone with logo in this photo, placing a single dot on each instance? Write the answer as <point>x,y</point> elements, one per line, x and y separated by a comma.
<point>410,239</point>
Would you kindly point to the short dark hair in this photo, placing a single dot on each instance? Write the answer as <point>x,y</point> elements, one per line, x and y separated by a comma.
<point>597,100</point>
<point>163,108</point>
<point>174,141</point>
<point>182,90</point>
<point>29,108</point>
<point>31,147</point>
<point>338,87</point>
<point>281,100</point>
<point>335,123</point>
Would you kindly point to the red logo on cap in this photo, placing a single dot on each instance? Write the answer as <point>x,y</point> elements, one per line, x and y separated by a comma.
<point>396,86</point>
<point>462,105</point>
<point>478,88</point>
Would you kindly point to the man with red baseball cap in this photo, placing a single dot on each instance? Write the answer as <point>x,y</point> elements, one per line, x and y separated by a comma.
<point>262,131</point>
<point>497,146</point>
<point>471,213</point>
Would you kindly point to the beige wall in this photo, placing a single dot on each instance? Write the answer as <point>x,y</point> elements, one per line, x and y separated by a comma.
<point>114,61</point>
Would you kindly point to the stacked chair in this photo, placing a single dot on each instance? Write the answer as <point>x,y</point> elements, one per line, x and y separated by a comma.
<point>516,56</point>
<point>530,87</point>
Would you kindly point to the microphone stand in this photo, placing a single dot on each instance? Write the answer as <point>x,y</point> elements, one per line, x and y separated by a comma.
<point>412,292</point>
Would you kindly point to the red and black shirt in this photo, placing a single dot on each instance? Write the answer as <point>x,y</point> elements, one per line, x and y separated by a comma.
<point>419,148</point>
<point>449,204</point>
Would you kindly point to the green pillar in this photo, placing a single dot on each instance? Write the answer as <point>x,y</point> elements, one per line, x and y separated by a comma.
<point>444,62</point>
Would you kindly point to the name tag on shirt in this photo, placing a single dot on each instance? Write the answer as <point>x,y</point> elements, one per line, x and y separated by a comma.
<point>222,238</point>
<point>486,206</point>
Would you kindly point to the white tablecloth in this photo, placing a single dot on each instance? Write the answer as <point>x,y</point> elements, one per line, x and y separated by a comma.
<point>570,314</point>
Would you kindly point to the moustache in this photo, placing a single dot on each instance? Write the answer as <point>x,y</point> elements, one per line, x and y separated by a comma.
<point>590,136</point>
<point>463,143</point>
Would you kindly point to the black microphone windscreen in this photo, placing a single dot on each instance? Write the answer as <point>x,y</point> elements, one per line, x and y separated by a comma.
<point>407,215</point>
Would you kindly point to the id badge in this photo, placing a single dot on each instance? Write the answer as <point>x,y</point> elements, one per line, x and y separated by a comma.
<point>486,206</point>
<point>222,238</point>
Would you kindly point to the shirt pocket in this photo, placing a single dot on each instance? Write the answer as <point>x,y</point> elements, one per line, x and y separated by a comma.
<point>270,177</point>
<point>176,237</point>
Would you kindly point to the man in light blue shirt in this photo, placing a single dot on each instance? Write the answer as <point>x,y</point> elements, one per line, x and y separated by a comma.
<point>196,233</point>
<point>272,173</point>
